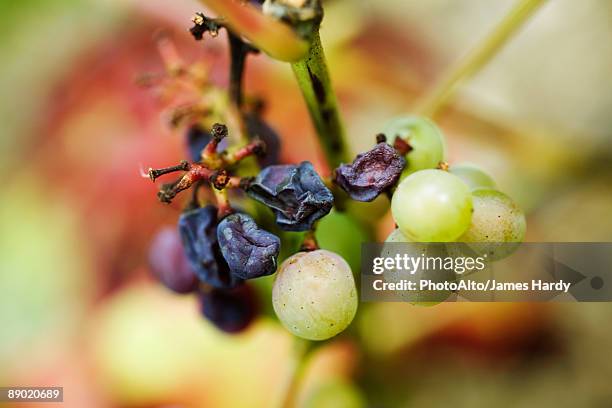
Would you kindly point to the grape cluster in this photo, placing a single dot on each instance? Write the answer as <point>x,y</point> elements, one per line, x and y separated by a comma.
<point>215,258</point>
<point>217,250</point>
<point>435,202</point>
<point>432,202</point>
<point>214,250</point>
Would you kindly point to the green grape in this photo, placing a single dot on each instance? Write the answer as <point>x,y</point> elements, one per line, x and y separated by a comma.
<point>334,394</point>
<point>340,233</point>
<point>496,221</point>
<point>314,295</point>
<point>432,206</point>
<point>473,176</point>
<point>367,213</point>
<point>397,244</point>
<point>423,136</point>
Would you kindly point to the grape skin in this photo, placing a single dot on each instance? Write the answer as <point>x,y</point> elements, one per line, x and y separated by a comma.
<point>230,310</point>
<point>423,136</point>
<point>340,233</point>
<point>198,230</point>
<point>396,236</point>
<point>250,252</point>
<point>169,263</point>
<point>473,176</point>
<point>314,294</point>
<point>432,206</point>
<point>496,219</point>
<point>416,249</point>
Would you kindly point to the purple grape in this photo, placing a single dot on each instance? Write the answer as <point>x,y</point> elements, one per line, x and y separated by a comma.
<point>230,310</point>
<point>197,139</point>
<point>259,129</point>
<point>250,252</point>
<point>198,230</point>
<point>296,194</point>
<point>371,173</point>
<point>169,264</point>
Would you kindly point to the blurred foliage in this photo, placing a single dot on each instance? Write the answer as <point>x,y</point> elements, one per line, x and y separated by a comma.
<point>77,305</point>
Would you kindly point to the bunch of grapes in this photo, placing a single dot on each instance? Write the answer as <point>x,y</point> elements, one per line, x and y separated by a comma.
<point>435,202</point>
<point>219,247</point>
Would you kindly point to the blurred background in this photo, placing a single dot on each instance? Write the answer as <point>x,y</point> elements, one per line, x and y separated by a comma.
<point>79,309</point>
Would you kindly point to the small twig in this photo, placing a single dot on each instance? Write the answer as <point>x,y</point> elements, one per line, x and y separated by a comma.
<point>256,147</point>
<point>310,242</point>
<point>195,172</point>
<point>155,173</point>
<point>239,50</point>
<point>210,157</point>
<point>223,205</point>
<point>443,166</point>
<point>402,146</point>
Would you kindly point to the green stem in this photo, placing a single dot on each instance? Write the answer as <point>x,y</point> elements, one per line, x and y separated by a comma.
<point>468,66</point>
<point>301,350</point>
<point>314,82</point>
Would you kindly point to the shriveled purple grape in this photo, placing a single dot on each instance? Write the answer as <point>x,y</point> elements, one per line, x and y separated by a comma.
<point>198,230</point>
<point>250,252</point>
<point>371,173</point>
<point>296,194</point>
<point>258,128</point>
<point>230,310</point>
<point>197,139</point>
<point>169,264</point>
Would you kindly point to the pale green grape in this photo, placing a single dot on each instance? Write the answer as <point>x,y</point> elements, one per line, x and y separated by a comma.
<point>432,206</point>
<point>367,213</point>
<point>423,136</point>
<point>314,295</point>
<point>473,176</point>
<point>496,221</point>
<point>341,233</point>
<point>397,244</point>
